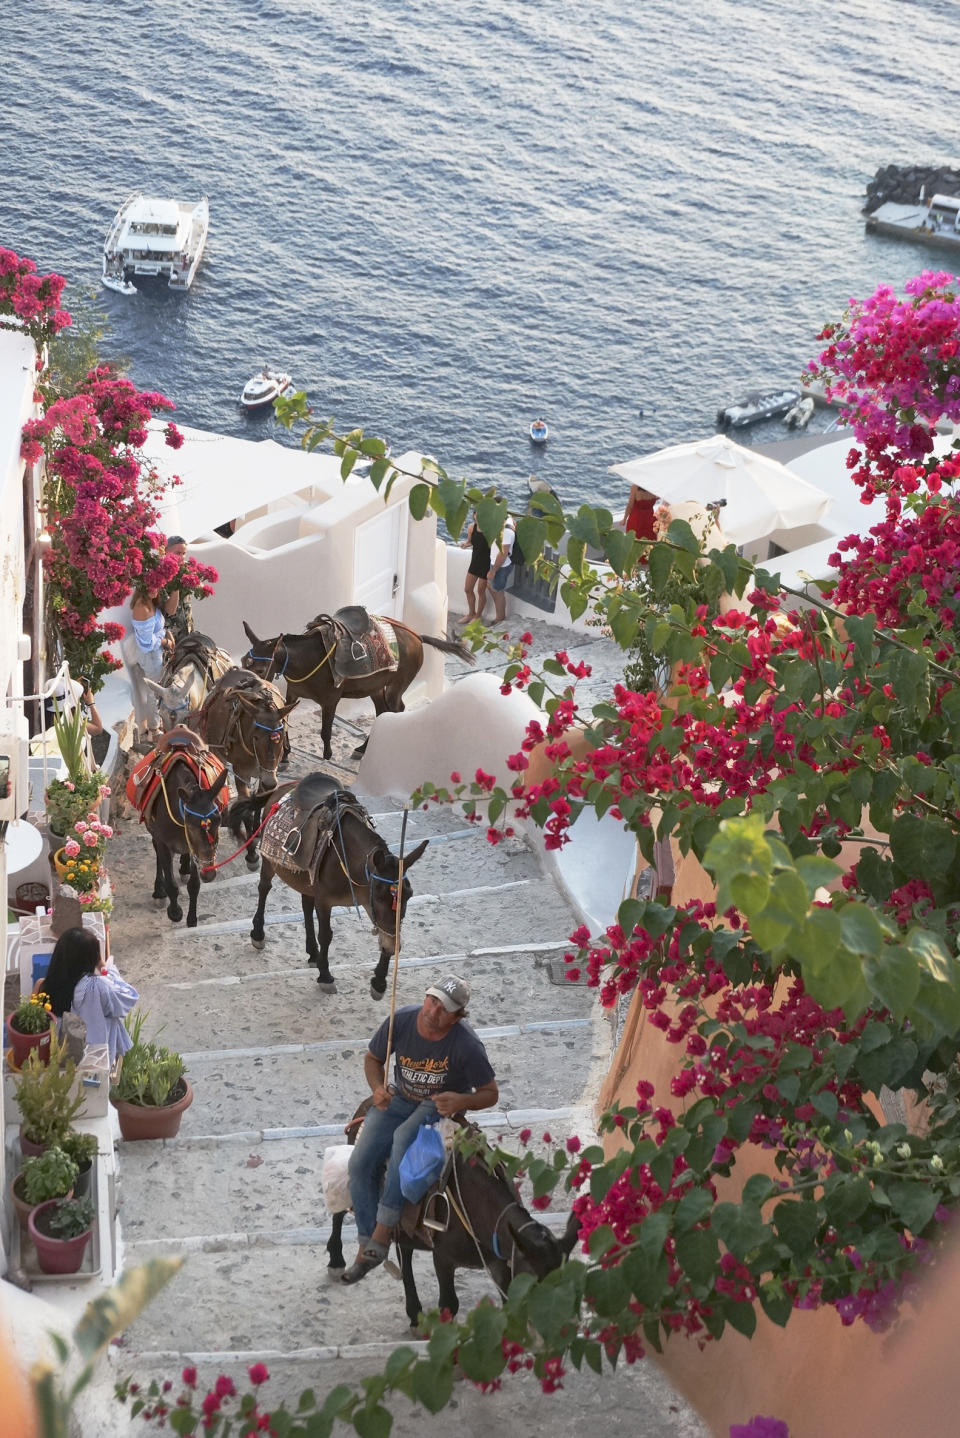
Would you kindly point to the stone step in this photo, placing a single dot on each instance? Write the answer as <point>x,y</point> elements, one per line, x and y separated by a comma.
<point>244,1090</point>
<point>179,1192</point>
<point>269,1008</point>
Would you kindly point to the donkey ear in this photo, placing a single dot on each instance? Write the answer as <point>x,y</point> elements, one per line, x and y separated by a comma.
<point>249,632</point>
<point>215,788</point>
<point>288,709</point>
<point>414,854</point>
<point>157,688</point>
<point>570,1234</point>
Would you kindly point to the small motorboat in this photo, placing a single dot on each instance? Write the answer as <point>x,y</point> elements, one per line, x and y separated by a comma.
<point>755,406</point>
<point>539,432</point>
<point>266,386</point>
<point>798,416</point>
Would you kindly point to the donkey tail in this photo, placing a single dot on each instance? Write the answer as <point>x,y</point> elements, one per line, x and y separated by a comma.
<point>449,646</point>
<point>246,812</point>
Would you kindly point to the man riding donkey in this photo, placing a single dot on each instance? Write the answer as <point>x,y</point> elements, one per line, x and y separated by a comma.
<point>441,1069</point>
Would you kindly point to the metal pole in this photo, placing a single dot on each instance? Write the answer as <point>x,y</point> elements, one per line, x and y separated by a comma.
<point>396,949</point>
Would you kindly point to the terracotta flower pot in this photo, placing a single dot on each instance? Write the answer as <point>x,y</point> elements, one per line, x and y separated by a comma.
<point>22,1045</point>
<point>142,1120</point>
<point>22,1207</point>
<point>29,1149</point>
<point>56,1255</point>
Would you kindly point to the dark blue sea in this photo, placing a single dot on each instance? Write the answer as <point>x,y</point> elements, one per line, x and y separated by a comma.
<point>447,219</point>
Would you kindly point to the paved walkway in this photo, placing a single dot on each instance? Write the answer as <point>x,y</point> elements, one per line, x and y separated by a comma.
<point>277,1069</point>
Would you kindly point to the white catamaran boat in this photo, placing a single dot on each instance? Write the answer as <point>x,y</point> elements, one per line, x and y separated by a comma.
<point>155,237</point>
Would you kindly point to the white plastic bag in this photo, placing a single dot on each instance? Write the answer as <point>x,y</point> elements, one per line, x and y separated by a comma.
<point>334,1180</point>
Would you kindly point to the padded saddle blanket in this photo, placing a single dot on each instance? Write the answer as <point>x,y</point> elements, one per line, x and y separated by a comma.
<point>365,643</point>
<point>200,650</point>
<point>143,786</point>
<point>298,833</point>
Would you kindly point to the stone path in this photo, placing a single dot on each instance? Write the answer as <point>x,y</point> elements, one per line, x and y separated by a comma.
<point>277,1068</point>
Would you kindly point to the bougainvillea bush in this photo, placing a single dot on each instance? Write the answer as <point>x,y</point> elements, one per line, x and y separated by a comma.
<point>99,492</point>
<point>806,755</point>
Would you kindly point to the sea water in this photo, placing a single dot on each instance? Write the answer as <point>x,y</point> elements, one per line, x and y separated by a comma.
<point>448,219</point>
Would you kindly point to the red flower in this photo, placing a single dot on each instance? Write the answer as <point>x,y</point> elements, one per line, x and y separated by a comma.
<point>258,1373</point>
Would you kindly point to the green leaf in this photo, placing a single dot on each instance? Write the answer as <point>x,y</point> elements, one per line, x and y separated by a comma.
<point>860,931</point>
<point>111,1312</point>
<point>692,1208</point>
<point>740,1227</point>
<point>922,847</point>
<point>848,1200</point>
<point>661,563</point>
<point>608,1291</point>
<point>432,1385</point>
<point>742,1317</point>
<point>777,1305</point>
<point>894,978</point>
<point>374,1422</point>
<point>681,534</point>
<point>418,500</point>
<point>698,1254</point>
<point>914,1202</point>
<point>531,536</point>
<point>797,1223</point>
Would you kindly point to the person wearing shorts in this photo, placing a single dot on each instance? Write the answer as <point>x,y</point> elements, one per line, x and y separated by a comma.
<point>499,576</point>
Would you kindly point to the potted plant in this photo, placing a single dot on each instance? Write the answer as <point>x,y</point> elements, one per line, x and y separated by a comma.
<point>60,1230</point>
<point>69,799</point>
<point>79,860</point>
<point>51,1174</point>
<point>29,1028</point>
<point>82,1148</point>
<point>45,1098</point>
<point>151,1093</point>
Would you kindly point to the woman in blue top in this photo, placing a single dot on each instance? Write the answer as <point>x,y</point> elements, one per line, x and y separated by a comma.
<point>144,649</point>
<point>77,979</point>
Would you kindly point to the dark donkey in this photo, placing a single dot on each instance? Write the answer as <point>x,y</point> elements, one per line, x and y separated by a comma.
<point>487,1227</point>
<point>356,868</point>
<point>177,791</point>
<point>244,721</point>
<point>306,662</point>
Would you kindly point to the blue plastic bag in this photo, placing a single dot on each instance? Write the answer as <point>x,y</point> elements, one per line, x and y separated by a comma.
<point>422,1164</point>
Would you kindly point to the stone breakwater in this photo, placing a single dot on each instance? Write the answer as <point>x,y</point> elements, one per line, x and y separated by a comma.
<point>903,183</point>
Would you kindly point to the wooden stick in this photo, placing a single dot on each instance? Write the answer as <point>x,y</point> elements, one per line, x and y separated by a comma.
<point>396,950</point>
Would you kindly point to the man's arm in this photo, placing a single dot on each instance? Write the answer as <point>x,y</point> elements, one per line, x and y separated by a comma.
<point>449,1102</point>
<point>374,1074</point>
<point>172,603</point>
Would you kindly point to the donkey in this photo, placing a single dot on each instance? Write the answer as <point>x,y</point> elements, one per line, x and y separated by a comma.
<point>487,1227</point>
<point>356,870</point>
<point>195,665</point>
<point>178,792</point>
<point>305,662</point>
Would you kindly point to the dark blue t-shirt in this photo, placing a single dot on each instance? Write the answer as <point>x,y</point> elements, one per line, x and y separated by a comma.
<point>423,1068</point>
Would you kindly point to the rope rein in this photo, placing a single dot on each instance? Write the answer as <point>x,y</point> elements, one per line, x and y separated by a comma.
<point>396,947</point>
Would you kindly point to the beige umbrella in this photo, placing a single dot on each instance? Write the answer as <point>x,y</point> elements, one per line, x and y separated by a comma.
<point>760,495</point>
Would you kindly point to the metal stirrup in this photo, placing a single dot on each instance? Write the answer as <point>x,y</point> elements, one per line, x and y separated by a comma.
<point>430,1217</point>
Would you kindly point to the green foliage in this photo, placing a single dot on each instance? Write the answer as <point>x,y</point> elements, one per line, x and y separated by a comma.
<point>43,1096</point>
<point>69,1218</point>
<point>50,1174</point>
<point>149,1074</point>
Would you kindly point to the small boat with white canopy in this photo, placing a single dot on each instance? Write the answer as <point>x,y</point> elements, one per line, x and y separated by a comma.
<point>265,386</point>
<point>155,237</point>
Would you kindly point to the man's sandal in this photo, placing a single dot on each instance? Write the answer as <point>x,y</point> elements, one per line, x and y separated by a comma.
<point>367,1261</point>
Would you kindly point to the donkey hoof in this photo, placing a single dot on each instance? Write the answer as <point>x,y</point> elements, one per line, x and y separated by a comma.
<point>376,993</point>
<point>159,898</point>
<point>258,943</point>
<point>192,923</point>
<point>253,862</point>
<point>326,986</point>
<point>174,915</point>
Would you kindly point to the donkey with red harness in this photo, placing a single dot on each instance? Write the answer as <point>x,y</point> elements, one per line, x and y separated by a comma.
<point>178,790</point>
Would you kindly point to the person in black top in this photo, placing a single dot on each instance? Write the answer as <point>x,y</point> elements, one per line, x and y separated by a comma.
<point>475,584</point>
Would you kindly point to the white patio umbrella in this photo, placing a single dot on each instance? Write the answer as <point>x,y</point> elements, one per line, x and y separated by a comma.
<point>761,494</point>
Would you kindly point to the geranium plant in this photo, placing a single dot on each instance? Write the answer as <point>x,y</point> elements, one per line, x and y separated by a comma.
<point>82,853</point>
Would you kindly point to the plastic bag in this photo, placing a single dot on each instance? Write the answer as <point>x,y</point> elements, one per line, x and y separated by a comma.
<point>422,1164</point>
<point>334,1179</point>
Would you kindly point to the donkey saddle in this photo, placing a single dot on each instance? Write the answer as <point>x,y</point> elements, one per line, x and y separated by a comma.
<point>299,832</point>
<point>364,644</point>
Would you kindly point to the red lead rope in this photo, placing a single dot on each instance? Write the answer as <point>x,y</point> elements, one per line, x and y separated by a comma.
<point>223,862</point>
